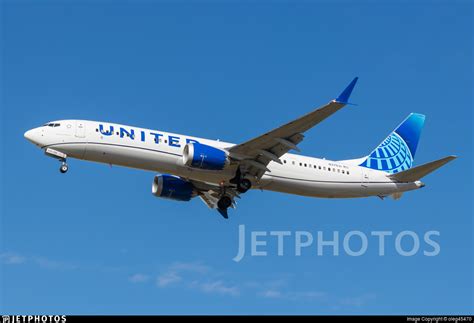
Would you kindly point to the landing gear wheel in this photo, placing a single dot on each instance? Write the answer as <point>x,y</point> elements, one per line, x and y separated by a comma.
<point>224,202</point>
<point>244,185</point>
<point>64,168</point>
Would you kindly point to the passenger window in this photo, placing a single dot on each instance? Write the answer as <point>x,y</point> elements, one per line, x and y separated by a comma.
<point>329,168</point>
<point>324,168</point>
<point>305,165</point>
<point>343,172</point>
<point>319,167</point>
<point>293,162</point>
<point>338,170</point>
<point>284,161</point>
<point>301,164</point>
<point>347,172</point>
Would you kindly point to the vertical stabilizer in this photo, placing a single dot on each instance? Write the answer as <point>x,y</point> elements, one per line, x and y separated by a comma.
<point>397,152</point>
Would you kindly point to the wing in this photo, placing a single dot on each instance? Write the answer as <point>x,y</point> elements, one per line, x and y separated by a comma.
<point>255,154</point>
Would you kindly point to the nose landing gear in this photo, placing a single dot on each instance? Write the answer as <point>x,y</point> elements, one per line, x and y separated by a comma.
<point>64,167</point>
<point>59,156</point>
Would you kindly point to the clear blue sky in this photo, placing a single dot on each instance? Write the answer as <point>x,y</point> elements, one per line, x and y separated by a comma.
<point>96,240</point>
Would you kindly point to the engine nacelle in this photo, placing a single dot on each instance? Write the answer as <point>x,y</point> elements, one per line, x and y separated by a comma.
<point>172,187</point>
<point>204,157</point>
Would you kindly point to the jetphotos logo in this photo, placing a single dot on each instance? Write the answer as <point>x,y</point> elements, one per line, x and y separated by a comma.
<point>353,243</point>
<point>33,318</point>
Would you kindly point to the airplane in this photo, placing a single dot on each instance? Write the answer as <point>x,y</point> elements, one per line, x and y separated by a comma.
<point>220,172</point>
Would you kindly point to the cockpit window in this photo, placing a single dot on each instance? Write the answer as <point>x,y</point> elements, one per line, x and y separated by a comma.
<point>51,125</point>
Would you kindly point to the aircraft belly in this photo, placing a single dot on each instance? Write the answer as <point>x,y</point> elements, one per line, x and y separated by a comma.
<point>315,188</point>
<point>331,188</point>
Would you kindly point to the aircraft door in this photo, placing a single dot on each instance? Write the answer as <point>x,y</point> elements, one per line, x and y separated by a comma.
<point>80,129</point>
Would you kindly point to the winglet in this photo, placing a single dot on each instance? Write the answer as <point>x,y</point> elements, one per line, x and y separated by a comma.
<point>344,96</point>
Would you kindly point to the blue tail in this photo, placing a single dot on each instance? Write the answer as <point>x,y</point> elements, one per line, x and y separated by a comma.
<point>397,152</point>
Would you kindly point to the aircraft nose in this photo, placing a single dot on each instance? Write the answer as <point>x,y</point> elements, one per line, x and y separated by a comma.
<point>30,136</point>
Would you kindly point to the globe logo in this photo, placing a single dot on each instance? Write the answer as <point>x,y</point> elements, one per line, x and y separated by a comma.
<point>392,156</point>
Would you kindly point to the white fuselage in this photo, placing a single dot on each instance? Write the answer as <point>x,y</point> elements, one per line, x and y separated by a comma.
<point>162,152</point>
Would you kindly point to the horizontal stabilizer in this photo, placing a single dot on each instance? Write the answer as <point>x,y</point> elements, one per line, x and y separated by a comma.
<point>416,173</point>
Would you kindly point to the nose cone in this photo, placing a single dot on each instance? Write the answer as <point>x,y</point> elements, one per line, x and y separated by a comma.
<point>31,136</point>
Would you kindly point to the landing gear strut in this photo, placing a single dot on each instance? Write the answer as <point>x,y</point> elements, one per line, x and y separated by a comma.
<point>64,167</point>
<point>243,184</point>
<point>59,156</point>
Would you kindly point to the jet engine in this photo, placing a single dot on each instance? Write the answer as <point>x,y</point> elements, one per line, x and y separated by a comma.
<point>172,187</point>
<point>204,157</point>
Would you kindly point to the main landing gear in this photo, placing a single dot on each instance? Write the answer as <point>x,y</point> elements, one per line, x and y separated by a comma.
<point>226,199</point>
<point>64,167</point>
<point>243,184</point>
<point>224,202</point>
